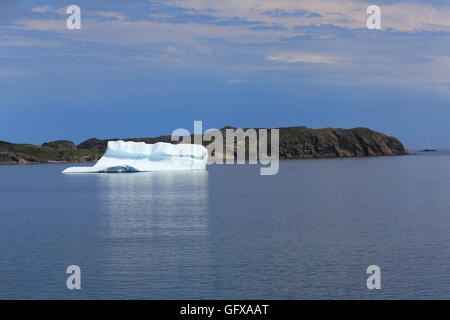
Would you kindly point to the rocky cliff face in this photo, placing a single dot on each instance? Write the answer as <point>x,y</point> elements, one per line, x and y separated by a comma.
<point>7,157</point>
<point>303,142</point>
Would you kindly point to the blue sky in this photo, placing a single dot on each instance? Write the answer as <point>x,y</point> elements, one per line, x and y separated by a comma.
<point>145,68</point>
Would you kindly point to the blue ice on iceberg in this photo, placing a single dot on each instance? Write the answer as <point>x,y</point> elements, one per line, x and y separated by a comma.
<point>121,156</point>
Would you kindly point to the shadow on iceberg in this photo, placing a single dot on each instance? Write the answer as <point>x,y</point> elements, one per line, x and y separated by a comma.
<point>118,169</point>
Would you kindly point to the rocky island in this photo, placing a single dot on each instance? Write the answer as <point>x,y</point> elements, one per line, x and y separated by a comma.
<point>295,143</point>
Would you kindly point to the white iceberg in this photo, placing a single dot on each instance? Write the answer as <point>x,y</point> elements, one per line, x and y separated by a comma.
<point>121,156</point>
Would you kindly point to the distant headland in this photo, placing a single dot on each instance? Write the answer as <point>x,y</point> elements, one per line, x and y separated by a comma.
<point>295,143</point>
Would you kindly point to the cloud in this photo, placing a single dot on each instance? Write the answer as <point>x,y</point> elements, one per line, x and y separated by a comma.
<point>106,14</point>
<point>10,73</point>
<point>234,81</point>
<point>250,21</point>
<point>400,16</point>
<point>274,27</point>
<point>293,13</point>
<point>40,25</point>
<point>303,58</point>
<point>255,36</point>
<point>42,9</point>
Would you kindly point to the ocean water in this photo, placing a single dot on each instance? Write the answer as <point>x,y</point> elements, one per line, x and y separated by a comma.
<point>308,232</point>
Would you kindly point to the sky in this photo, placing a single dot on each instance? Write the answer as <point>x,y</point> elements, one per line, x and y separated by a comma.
<point>146,68</point>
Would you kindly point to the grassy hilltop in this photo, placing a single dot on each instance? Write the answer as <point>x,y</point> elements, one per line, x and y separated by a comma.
<point>26,153</point>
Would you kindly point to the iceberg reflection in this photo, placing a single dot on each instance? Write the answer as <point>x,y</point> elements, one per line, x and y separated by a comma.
<point>166,203</point>
<point>156,229</point>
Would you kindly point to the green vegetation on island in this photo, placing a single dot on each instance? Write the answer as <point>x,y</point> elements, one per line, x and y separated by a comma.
<point>295,143</point>
<point>11,153</point>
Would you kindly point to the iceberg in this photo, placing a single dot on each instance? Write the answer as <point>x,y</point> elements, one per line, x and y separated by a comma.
<point>121,156</point>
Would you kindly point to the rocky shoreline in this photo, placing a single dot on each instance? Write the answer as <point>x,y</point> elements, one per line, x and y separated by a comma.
<point>295,143</point>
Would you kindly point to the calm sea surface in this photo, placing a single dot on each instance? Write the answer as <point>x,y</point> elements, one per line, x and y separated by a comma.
<point>309,232</point>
